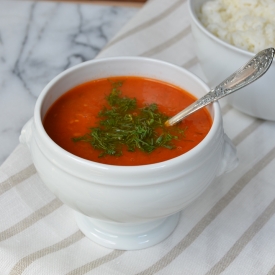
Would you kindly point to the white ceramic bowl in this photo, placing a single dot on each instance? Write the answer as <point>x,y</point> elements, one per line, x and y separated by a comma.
<point>127,207</point>
<point>219,60</point>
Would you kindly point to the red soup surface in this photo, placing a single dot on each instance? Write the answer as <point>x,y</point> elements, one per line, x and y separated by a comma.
<point>75,112</point>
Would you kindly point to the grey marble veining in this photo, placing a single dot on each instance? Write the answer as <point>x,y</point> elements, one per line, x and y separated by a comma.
<point>38,40</point>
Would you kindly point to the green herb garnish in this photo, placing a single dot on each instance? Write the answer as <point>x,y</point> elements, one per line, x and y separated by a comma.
<point>124,124</point>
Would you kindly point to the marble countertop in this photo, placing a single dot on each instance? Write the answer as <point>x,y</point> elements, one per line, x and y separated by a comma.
<point>38,40</point>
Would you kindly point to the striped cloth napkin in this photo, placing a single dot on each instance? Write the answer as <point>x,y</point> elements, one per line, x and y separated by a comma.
<point>229,230</point>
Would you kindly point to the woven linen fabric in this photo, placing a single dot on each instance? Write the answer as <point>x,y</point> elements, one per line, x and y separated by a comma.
<point>228,230</point>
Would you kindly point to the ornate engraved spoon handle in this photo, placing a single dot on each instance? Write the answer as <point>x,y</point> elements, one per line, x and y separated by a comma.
<point>248,73</point>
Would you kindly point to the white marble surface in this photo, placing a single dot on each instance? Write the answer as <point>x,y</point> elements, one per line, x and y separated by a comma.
<point>37,42</point>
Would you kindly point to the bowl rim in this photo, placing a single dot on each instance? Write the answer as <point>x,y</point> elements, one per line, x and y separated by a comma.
<point>216,120</point>
<point>194,18</point>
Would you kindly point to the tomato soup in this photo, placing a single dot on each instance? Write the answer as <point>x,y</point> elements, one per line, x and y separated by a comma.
<point>77,111</point>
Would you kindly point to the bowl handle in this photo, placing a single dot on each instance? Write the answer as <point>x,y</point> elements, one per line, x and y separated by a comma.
<point>230,160</point>
<point>26,133</point>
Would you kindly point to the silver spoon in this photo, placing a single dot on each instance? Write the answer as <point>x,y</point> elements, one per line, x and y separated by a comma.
<point>248,73</point>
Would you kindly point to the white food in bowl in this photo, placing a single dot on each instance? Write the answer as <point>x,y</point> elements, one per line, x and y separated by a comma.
<point>247,24</point>
<point>219,59</point>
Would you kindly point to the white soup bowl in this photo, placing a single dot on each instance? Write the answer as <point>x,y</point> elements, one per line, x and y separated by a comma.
<point>127,207</point>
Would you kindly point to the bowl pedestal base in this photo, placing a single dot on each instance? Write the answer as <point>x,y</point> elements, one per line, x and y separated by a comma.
<point>127,236</point>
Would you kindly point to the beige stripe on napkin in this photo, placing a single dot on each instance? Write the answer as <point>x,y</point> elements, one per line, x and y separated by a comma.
<point>142,27</point>
<point>96,263</point>
<point>19,268</point>
<point>156,37</point>
<point>271,271</point>
<point>31,219</point>
<point>17,178</point>
<point>168,43</point>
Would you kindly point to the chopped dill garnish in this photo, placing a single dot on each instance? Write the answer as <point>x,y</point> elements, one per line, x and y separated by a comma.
<point>124,124</point>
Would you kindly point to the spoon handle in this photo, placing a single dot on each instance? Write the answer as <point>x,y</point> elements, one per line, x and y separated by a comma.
<point>251,71</point>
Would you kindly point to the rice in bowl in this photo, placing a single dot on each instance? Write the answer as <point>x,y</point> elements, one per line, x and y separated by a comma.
<point>247,24</point>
